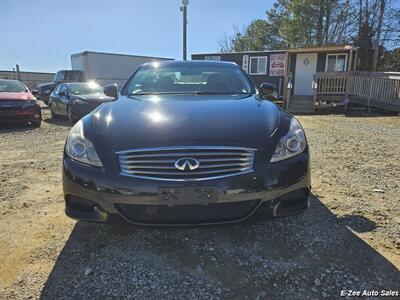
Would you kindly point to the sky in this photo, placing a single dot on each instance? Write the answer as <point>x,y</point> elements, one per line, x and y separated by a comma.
<point>41,35</point>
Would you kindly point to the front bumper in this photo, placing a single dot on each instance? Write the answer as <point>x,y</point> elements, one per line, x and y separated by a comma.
<point>19,114</point>
<point>91,194</point>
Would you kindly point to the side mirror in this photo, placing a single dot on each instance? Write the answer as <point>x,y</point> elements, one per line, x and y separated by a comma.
<point>268,90</point>
<point>35,93</point>
<point>62,94</point>
<point>111,90</point>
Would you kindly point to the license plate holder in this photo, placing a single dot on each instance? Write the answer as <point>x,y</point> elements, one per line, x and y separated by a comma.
<point>187,195</point>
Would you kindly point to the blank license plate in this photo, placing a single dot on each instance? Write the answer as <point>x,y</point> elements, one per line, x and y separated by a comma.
<point>187,195</point>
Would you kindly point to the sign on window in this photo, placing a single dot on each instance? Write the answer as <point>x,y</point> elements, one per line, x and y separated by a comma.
<point>277,65</point>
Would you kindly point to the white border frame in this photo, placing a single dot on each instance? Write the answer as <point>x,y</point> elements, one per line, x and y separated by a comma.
<point>266,65</point>
<point>336,54</point>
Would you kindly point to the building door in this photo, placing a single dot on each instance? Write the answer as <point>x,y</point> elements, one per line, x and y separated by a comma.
<point>306,67</point>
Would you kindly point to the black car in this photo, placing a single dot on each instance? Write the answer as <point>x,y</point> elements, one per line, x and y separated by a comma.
<point>45,89</point>
<point>186,143</point>
<point>75,100</point>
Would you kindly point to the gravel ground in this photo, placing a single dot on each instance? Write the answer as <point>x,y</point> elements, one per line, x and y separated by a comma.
<point>348,239</point>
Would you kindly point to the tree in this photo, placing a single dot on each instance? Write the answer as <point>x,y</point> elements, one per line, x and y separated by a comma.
<point>365,49</point>
<point>390,61</point>
<point>369,24</point>
<point>259,35</point>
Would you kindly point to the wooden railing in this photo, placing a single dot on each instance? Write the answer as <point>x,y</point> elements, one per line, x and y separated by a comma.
<point>374,89</point>
<point>330,83</point>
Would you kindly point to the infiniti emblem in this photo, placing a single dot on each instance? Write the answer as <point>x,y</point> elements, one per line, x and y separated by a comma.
<point>187,163</point>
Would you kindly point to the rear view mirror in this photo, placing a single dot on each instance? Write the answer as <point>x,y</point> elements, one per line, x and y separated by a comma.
<point>111,90</point>
<point>268,90</point>
<point>35,93</point>
<point>61,94</point>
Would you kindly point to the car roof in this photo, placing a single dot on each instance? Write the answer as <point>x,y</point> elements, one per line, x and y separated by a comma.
<point>194,63</point>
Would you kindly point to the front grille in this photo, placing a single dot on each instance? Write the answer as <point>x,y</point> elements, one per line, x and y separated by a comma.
<point>187,214</point>
<point>11,104</point>
<point>159,163</point>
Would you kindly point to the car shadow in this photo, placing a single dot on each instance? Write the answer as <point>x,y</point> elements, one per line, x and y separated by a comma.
<point>307,256</point>
<point>357,223</point>
<point>60,121</point>
<point>16,127</point>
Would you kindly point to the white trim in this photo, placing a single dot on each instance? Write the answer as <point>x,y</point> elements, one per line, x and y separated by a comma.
<point>266,64</point>
<point>245,63</point>
<point>336,54</point>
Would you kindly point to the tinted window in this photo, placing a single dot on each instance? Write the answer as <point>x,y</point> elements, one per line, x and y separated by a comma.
<point>57,90</point>
<point>11,86</point>
<point>85,88</point>
<point>64,89</point>
<point>68,76</point>
<point>189,78</point>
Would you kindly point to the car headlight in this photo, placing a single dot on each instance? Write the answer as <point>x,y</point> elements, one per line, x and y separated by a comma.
<point>80,148</point>
<point>293,143</point>
<point>29,103</point>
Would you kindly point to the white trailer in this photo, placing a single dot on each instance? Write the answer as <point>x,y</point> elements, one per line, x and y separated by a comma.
<point>107,68</point>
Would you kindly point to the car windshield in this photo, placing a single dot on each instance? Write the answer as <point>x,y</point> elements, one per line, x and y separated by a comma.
<point>67,76</point>
<point>189,78</point>
<point>85,89</point>
<point>11,86</point>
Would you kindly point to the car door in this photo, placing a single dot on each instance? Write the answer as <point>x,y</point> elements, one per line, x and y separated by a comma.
<point>53,100</point>
<point>63,100</point>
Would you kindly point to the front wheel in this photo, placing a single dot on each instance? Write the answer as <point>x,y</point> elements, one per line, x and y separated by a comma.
<point>70,115</point>
<point>52,113</point>
<point>36,124</point>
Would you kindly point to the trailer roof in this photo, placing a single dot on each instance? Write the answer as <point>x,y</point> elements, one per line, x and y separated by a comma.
<point>119,54</point>
<point>239,52</point>
<point>322,49</point>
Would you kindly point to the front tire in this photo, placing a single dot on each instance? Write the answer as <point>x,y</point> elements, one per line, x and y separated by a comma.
<point>70,115</point>
<point>52,113</point>
<point>36,124</point>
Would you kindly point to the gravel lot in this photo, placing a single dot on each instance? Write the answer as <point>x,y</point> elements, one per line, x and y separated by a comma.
<point>348,239</point>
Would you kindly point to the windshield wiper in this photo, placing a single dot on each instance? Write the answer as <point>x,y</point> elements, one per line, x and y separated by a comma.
<point>156,93</point>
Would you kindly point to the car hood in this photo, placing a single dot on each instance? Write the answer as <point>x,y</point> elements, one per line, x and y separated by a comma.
<point>48,84</point>
<point>16,96</point>
<point>163,120</point>
<point>93,98</point>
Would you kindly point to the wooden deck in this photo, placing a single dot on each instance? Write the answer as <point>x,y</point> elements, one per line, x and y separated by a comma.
<point>333,89</point>
<point>372,89</point>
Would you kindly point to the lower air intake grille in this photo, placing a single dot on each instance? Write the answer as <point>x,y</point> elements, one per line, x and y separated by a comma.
<point>187,214</point>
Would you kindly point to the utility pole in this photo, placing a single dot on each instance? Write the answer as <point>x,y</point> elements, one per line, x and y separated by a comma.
<point>185,3</point>
<point>17,72</point>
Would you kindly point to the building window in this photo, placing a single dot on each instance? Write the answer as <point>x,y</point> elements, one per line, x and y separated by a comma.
<point>258,65</point>
<point>212,57</point>
<point>336,62</point>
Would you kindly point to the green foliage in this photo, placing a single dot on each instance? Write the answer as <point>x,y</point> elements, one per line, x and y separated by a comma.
<point>390,61</point>
<point>365,50</point>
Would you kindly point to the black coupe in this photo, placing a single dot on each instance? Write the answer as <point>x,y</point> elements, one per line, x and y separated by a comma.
<point>186,143</point>
<point>76,100</point>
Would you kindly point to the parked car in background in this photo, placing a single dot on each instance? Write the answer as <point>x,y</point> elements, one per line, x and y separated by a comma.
<point>186,143</point>
<point>18,104</point>
<point>75,100</point>
<point>45,89</point>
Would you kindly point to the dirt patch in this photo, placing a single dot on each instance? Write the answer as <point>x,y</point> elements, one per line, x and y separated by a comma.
<point>348,239</point>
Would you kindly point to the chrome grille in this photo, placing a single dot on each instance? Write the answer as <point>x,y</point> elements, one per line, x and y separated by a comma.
<point>159,163</point>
